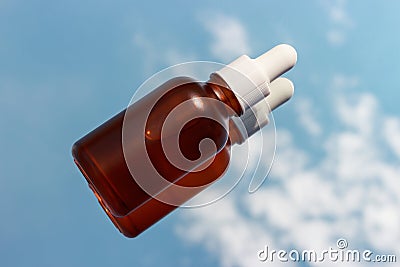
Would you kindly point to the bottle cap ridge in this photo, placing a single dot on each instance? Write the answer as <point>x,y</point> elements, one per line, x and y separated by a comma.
<point>250,78</point>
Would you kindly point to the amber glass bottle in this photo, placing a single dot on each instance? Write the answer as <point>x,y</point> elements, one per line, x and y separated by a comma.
<point>115,164</point>
<point>154,210</point>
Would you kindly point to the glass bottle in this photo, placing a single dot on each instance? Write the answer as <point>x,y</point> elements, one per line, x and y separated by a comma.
<point>124,160</point>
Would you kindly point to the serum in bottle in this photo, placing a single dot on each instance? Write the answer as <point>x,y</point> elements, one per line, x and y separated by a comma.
<point>142,152</point>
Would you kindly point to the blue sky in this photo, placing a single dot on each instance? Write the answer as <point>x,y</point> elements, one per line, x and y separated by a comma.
<point>67,66</point>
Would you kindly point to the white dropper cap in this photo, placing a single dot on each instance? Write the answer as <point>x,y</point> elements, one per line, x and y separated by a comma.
<point>256,117</point>
<point>249,78</point>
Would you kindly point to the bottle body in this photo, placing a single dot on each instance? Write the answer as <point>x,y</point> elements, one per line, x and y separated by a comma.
<point>101,155</point>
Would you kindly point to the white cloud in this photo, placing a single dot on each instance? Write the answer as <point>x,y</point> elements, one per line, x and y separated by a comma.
<point>336,37</point>
<point>340,21</point>
<point>156,56</point>
<point>338,13</point>
<point>358,111</point>
<point>351,192</point>
<point>342,82</point>
<point>306,112</point>
<point>229,36</point>
<point>392,134</point>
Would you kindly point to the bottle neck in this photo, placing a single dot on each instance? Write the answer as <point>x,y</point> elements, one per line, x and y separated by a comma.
<point>240,129</point>
<point>224,94</point>
<point>236,134</point>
